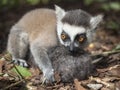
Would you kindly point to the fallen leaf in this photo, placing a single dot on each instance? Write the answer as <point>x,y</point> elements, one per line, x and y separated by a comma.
<point>78,85</point>
<point>65,88</point>
<point>107,84</point>
<point>34,71</point>
<point>114,71</point>
<point>22,70</point>
<point>2,63</point>
<point>106,48</point>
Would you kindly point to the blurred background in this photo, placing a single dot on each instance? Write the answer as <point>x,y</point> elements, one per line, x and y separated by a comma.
<point>12,10</point>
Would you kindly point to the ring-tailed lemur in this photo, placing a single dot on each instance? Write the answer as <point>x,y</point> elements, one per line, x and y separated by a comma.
<point>41,29</point>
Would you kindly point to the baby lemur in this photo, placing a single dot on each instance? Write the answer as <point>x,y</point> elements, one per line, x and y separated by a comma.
<point>41,29</point>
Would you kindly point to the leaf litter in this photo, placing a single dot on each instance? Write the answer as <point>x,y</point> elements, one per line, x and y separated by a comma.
<point>108,77</point>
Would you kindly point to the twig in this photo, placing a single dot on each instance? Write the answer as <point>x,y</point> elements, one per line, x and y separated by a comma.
<point>12,85</point>
<point>18,72</point>
<point>8,57</point>
<point>56,86</point>
<point>101,55</point>
<point>97,60</point>
<point>106,53</point>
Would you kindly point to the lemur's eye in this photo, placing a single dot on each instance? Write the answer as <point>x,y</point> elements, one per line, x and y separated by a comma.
<point>63,36</point>
<point>81,39</point>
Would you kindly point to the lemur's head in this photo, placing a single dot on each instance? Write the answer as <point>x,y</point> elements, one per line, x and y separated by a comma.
<point>75,28</point>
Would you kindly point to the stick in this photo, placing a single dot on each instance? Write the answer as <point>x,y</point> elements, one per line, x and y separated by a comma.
<point>106,53</point>
<point>102,54</point>
<point>12,85</point>
<point>19,72</point>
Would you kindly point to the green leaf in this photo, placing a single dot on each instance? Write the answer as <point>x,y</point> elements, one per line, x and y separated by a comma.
<point>115,5</point>
<point>22,70</point>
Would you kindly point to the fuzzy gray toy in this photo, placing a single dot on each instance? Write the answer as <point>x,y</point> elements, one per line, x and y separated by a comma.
<point>70,66</point>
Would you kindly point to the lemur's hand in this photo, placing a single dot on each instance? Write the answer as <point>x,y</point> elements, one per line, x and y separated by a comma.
<point>48,76</point>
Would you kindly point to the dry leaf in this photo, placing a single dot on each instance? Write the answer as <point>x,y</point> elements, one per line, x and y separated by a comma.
<point>35,71</point>
<point>114,71</point>
<point>2,63</point>
<point>78,85</point>
<point>57,77</point>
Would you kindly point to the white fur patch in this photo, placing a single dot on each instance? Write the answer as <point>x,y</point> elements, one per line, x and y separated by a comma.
<point>60,13</point>
<point>72,30</point>
<point>95,21</point>
<point>59,31</point>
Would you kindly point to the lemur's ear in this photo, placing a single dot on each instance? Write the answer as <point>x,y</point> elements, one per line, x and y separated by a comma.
<point>59,12</point>
<point>95,21</point>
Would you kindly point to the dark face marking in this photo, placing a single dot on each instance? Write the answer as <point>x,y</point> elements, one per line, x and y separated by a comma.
<point>65,37</point>
<point>75,45</point>
<point>78,43</point>
<point>77,17</point>
<point>80,39</point>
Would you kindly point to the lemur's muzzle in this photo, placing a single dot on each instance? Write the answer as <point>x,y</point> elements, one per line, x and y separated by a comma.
<point>71,47</point>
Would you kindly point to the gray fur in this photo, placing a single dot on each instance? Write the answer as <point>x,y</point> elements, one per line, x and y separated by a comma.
<point>77,17</point>
<point>18,45</point>
<point>36,30</point>
<point>70,66</point>
<point>80,20</point>
<point>42,60</point>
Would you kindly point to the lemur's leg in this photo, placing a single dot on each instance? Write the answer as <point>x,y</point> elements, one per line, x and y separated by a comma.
<point>42,60</point>
<point>18,45</point>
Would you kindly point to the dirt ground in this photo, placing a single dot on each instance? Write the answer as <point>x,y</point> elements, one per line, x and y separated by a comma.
<point>106,76</point>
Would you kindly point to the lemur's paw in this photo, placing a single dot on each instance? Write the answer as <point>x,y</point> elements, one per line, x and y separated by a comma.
<point>21,62</point>
<point>48,77</point>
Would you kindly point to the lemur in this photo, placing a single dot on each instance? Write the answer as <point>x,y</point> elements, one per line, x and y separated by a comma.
<point>41,29</point>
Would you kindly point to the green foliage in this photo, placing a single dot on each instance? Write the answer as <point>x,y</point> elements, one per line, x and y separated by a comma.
<point>111,6</point>
<point>22,70</point>
<point>107,6</point>
<point>104,4</point>
<point>8,3</point>
<point>115,5</point>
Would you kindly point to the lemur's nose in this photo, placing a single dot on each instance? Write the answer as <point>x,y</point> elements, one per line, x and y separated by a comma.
<point>71,48</point>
